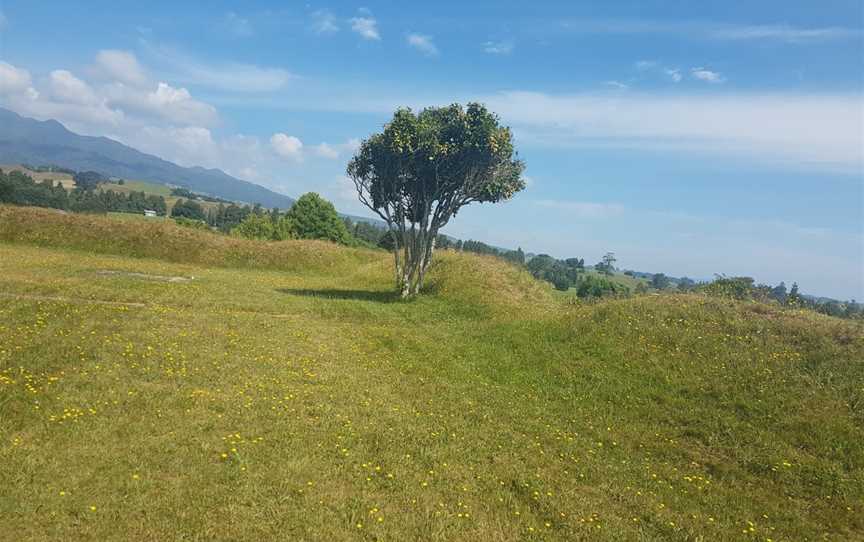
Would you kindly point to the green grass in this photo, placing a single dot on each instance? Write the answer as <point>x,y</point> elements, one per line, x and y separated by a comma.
<point>135,217</point>
<point>294,398</point>
<point>139,186</point>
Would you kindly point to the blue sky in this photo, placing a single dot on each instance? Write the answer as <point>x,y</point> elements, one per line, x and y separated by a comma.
<point>690,138</point>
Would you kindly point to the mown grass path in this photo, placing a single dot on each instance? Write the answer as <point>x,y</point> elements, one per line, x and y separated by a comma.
<point>252,404</point>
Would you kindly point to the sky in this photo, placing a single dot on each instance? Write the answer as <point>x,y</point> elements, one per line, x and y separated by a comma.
<point>690,138</point>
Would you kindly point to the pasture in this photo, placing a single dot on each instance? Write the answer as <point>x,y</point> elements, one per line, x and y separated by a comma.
<point>280,391</point>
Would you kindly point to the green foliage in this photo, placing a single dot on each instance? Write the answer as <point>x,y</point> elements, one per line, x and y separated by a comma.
<point>255,226</point>
<point>562,274</point>
<point>660,281</point>
<point>190,223</point>
<point>423,168</point>
<point>20,189</point>
<point>313,217</point>
<point>730,287</point>
<point>88,180</point>
<point>685,284</point>
<point>283,228</point>
<point>188,194</point>
<point>596,286</point>
<point>188,209</point>
<point>607,264</point>
<point>225,218</point>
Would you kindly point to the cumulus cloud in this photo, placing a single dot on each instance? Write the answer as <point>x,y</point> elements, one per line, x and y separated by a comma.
<point>14,80</point>
<point>704,74</point>
<point>121,66</point>
<point>366,27</point>
<point>162,101</point>
<point>422,43</point>
<point>65,87</point>
<point>326,151</point>
<point>287,146</point>
<point>332,152</point>
<point>63,96</point>
<point>117,100</point>
<point>498,47</point>
<point>617,84</point>
<point>324,22</point>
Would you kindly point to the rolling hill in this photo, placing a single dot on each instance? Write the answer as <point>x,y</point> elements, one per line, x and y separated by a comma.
<point>163,383</point>
<point>26,140</point>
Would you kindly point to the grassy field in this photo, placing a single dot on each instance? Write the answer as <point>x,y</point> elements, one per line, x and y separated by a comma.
<point>155,189</point>
<point>128,185</point>
<point>160,383</point>
<point>139,186</point>
<point>63,178</point>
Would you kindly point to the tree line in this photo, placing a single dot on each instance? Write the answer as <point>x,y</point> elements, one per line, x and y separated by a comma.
<point>20,189</point>
<point>313,217</point>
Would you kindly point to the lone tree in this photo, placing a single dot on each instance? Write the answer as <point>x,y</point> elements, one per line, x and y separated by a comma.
<point>607,265</point>
<point>313,217</point>
<point>423,168</point>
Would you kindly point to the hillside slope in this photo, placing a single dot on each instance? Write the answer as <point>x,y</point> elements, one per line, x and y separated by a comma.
<point>29,141</point>
<point>296,398</point>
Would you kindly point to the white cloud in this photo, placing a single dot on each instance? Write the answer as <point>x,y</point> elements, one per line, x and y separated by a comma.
<point>326,151</point>
<point>163,101</point>
<point>248,174</point>
<point>332,152</point>
<point>617,84</point>
<point>583,209</point>
<point>67,88</point>
<point>231,76</point>
<point>324,22</point>
<point>367,27</point>
<point>13,80</point>
<point>674,74</point>
<point>498,47</point>
<point>122,66</point>
<point>822,131</point>
<point>783,33</point>
<point>644,65</point>
<point>4,21</point>
<point>706,75</point>
<point>64,97</point>
<point>237,25</point>
<point>709,30</point>
<point>287,146</point>
<point>157,118</point>
<point>422,43</point>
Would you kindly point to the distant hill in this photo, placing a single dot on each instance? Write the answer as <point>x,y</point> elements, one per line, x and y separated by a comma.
<point>29,141</point>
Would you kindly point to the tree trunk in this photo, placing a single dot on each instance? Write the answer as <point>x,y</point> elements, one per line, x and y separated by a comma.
<point>424,263</point>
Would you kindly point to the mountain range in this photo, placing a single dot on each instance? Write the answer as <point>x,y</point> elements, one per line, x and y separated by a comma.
<point>29,141</point>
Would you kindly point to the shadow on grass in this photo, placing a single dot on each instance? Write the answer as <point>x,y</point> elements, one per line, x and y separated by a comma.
<point>335,293</point>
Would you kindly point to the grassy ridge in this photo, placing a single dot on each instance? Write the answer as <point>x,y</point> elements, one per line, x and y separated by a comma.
<point>167,241</point>
<point>264,403</point>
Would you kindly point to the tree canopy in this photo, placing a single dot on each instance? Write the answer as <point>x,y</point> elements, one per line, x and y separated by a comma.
<point>423,168</point>
<point>313,217</point>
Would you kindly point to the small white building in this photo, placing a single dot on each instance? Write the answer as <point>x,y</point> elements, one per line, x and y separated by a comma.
<point>149,212</point>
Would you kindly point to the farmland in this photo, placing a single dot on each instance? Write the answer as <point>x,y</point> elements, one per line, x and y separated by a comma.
<point>163,383</point>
